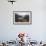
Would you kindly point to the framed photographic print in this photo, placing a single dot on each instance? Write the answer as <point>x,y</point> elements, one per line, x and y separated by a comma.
<point>22,17</point>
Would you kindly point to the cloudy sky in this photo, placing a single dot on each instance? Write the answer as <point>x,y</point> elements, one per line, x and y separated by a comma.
<point>23,13</point>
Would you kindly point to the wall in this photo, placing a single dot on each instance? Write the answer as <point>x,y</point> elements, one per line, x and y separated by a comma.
<point>9,31</point>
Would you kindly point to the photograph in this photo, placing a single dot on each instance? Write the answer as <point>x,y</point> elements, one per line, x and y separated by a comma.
<point>22,17</point>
